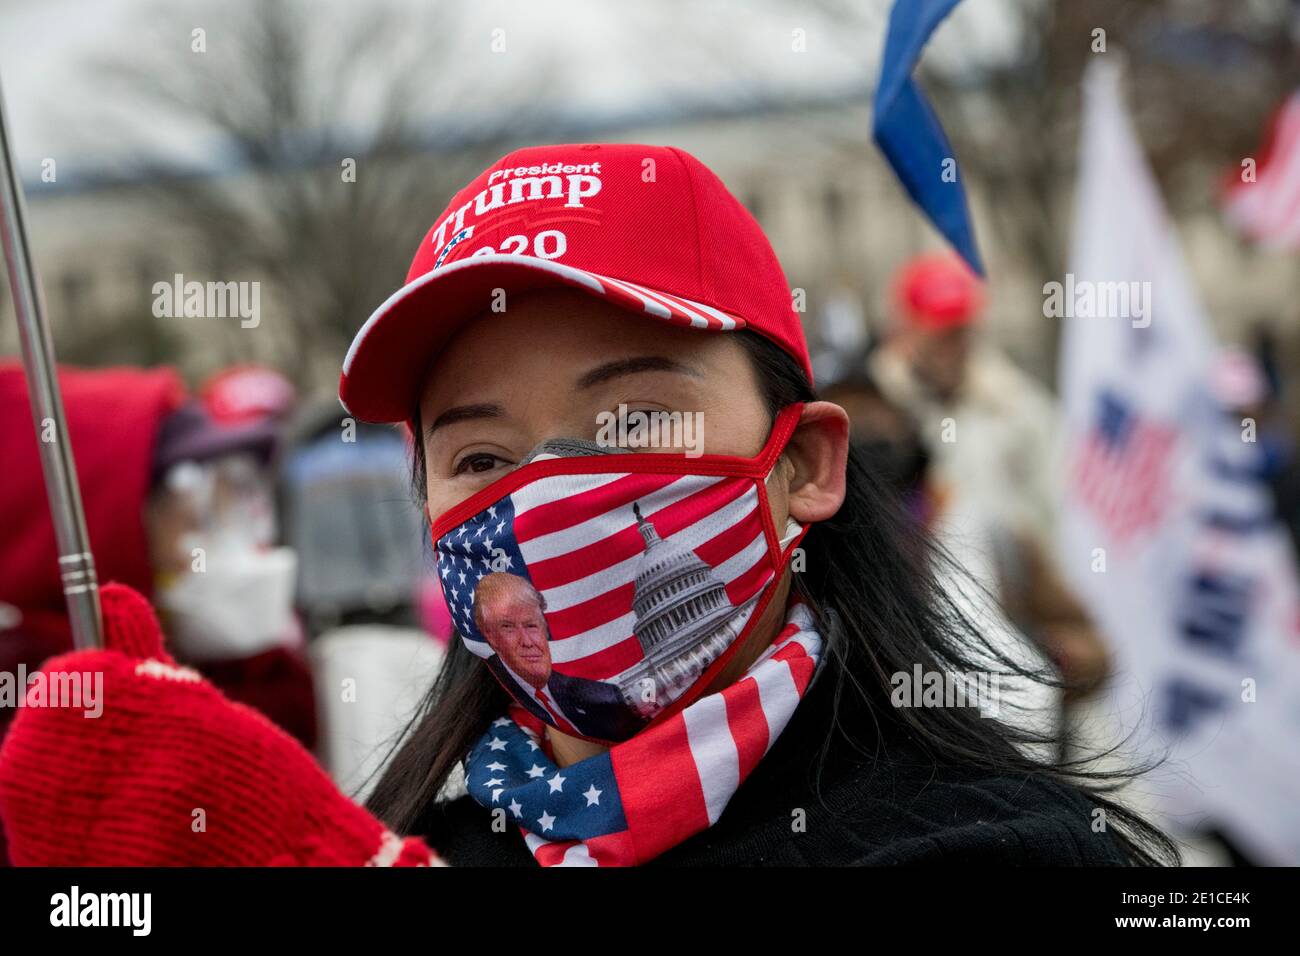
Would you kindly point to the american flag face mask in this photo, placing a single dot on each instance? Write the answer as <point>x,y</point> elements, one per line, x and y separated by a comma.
<point>606,591</point>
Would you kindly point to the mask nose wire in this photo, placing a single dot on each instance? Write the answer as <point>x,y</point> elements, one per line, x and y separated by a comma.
<point>566,448</point>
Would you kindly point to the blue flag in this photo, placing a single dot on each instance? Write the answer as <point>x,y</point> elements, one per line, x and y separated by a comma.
<point>908,132</point>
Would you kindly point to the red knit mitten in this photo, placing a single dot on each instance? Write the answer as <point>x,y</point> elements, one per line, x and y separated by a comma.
<point>168,772</point>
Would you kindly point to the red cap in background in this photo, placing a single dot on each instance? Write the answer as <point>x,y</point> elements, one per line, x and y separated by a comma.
<point>240,409</point>
<point>247,393</point>
<point>938,291</point>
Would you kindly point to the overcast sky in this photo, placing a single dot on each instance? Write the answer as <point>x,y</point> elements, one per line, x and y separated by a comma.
<point>612,55</point>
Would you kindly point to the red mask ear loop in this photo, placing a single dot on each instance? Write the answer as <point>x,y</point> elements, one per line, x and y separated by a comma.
<point>787,420</point>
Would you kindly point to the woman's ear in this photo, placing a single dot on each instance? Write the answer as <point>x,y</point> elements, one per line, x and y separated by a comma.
<point>818,453</point>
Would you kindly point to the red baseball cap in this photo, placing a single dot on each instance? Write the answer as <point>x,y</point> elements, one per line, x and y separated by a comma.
<point>241,409</point>
<point>938,291</point>
<point>650,228</point>
<point>247,393</point>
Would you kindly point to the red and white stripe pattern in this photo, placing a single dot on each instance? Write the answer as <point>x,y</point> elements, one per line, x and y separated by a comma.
<point>676,778</point>
<point>655,303</point>
<point>582,549</point>
<point>1125,483</point>
<point>664,305</point>
<point>1268,209</point>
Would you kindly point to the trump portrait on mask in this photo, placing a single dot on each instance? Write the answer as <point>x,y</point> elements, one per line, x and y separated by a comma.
<point>509,613</point>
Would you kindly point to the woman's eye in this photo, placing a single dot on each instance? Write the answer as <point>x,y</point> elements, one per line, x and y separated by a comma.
<point>476,464</point>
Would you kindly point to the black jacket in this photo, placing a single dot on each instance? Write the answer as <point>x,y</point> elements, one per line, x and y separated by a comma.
<point>595,707</point>
<point>897,807</point>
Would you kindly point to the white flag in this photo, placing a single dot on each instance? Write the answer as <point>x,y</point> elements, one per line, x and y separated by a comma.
<point>1167,532</point>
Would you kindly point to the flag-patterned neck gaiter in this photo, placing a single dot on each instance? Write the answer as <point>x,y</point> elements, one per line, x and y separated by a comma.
<point>647,794</point>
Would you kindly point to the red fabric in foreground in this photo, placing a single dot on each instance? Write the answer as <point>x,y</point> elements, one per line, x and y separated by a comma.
<point>171,773</point>
<point>113,418</point>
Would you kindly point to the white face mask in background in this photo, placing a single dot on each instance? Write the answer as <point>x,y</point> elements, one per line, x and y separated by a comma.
<point>239,605</point>
<point>230,594</point>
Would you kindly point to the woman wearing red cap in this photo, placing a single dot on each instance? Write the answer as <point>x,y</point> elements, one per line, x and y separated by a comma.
<point>717,641</point>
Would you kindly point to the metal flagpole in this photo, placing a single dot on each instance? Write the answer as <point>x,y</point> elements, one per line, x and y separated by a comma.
<point>76,564</point>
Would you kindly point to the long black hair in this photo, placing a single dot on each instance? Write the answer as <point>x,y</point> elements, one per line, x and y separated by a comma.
<point>873,579</point>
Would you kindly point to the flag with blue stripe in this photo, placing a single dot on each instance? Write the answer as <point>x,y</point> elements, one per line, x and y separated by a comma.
<point>908,132</point>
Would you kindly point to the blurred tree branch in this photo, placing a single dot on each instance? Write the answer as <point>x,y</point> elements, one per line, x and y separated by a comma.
<point>285,97</point>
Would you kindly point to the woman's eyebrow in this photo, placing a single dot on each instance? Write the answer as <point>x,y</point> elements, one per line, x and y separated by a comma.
<point>463,413</point>
<point>631,366</point>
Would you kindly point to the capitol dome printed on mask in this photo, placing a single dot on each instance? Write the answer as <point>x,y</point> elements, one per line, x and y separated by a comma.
<point>684,620</point>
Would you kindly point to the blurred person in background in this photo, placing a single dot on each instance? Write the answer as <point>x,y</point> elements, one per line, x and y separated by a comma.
<point>224,587</point>
<point>885,435</point>
<point>989,433</point>
<point>179,506</point>
<point>114,418</point>
<point>889,442</point>
<point>161,476</point>
<point>376,618</point>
